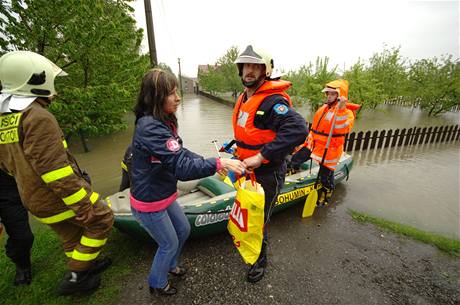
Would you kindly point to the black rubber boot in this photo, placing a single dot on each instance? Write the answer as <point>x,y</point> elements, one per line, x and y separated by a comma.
<point>257,271</point>
<point>79,282</point>
<point>100,265</point>
<point>23,276</point>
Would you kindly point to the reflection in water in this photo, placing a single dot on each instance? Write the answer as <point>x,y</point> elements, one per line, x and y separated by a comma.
<point>415,185</point>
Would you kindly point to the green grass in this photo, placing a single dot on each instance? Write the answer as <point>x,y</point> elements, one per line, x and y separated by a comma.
<point>49,266</point>
<point>450,246</point>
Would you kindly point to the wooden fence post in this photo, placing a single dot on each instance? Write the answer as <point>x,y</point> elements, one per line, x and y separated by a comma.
<point>416,135</point>
<point>428,133</point>
<point>388,138</point>
<point>422,136</point>
<point>359,139</point>
<point>367,137</point>
<point>375,136</point>
<point>401,136</point>
<point>433,136</point>
<point>395,138</point>
<point>408,137</point>
<point>351,141</point>
<point>381,138</point>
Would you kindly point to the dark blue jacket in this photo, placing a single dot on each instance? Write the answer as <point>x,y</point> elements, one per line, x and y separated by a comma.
<point>159,160</point>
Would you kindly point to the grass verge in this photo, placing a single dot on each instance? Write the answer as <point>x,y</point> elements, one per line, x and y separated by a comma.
<point>49,266</point>
<point>450,246</point>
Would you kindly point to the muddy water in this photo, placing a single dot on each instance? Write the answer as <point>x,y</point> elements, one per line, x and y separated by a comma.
<point>416,185</point>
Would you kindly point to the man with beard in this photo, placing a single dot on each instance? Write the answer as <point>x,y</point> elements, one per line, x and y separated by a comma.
<point>266,129</point>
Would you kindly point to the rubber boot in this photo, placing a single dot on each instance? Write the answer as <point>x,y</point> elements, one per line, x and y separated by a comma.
<point>257,271</point>
<point>23,275</point>
<point>79,282</point>
<point>100,265</point>
<point>321,198</point>
<point>328,195</point>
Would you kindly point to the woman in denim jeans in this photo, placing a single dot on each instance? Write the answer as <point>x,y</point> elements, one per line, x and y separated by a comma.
<point>159,160</point>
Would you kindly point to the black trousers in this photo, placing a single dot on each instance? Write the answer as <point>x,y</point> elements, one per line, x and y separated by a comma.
<point>272,181</point>
<point>16,221</point>
<point>326,175</point>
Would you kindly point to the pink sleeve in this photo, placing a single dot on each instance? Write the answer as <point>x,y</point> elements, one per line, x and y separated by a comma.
<point>218,164</point>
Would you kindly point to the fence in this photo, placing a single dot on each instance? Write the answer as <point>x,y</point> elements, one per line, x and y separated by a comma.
<point>389,138</point>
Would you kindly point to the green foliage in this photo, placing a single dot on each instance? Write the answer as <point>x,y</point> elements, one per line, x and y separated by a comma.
<point>96,42</point>
<point>309,80</point>
<point>435,83</point>
<point>223,76</point>
<point>388,71</point>
<point>451,246</point>
<point>363,87</point>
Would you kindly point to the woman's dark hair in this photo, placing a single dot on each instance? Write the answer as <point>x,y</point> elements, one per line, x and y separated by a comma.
<point>155,87</point>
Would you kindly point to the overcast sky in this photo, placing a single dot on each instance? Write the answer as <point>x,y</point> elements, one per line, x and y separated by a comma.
<point>295,32</point>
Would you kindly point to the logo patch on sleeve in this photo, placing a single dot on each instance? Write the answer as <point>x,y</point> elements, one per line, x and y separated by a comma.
<point>173,145</point>
<point>281,109</point>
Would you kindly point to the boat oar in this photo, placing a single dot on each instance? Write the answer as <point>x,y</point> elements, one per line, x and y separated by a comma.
<point>310,202</point>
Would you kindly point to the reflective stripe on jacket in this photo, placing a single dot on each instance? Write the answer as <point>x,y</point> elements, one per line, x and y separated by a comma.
<point>33,149</point>
<point>250,139</point>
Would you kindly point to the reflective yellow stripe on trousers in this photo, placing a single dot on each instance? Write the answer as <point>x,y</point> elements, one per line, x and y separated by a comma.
<point>92,242</point>
<point>84,256</point>
<point>58,217</point>
<point>75,197</point>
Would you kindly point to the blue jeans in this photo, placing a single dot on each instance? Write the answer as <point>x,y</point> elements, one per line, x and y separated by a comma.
<point>170,229</point>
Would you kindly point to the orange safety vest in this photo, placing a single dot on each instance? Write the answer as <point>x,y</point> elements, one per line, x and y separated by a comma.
<point>250,139</point>
<point>319,133</point>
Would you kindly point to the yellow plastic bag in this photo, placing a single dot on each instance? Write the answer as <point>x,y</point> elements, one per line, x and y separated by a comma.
<point>246,220</point>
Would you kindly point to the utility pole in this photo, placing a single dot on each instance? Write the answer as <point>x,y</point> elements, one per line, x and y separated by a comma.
<point>180,79</point>
<point>150,33</point>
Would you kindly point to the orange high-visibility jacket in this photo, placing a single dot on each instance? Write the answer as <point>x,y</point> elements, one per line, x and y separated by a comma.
<point>319,132</point>
<point>250,139</point>
<point>322,124</point>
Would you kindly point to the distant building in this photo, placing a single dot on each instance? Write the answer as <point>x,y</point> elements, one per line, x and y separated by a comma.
<point>189,84</point>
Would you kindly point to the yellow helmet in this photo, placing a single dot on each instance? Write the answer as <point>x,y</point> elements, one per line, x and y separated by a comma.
<point>339,85</point>
<point>29,74</point>
<point>254,56</point>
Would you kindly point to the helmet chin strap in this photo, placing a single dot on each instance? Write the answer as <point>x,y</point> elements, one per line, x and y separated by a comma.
<point>254,83</point>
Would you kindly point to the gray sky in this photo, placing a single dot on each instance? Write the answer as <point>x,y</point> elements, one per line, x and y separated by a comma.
<point>296,32</point>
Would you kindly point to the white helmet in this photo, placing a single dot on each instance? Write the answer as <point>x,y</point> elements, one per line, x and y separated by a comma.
<point>251,56</point>
<point>28,74</point>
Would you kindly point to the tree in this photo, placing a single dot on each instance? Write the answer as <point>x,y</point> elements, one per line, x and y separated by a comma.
<point>229,71</point>
<point>364,89</point>
<point>309,80</point>
<point>96,42</point>
<point>388,71</point>
<point>435,83</point>
<point>223,75</point>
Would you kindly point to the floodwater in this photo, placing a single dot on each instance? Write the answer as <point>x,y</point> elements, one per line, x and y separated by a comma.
<point>414,185</point>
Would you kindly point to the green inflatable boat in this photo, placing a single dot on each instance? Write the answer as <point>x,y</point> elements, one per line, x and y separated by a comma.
<point>207,202</point>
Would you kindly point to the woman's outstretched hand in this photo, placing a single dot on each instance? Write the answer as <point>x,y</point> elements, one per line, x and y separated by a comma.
<point>233,165</point>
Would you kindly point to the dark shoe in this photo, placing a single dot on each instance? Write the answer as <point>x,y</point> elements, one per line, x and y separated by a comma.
<point>179,271</point>
<point>168,290</point>
<point>100,265</point>
<point>79,282</point>
<point>23,276</point>
<point>257,271</point>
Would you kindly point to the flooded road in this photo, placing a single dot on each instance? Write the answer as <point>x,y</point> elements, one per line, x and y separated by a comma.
<point>414,185</point>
